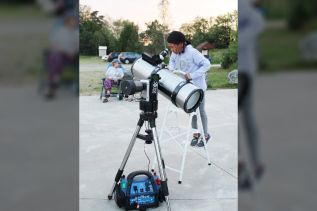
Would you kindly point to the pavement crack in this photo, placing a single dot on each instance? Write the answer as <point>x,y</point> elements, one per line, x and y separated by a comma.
<point>219,167</point>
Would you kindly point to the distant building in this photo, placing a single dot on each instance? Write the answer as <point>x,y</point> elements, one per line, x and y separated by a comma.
<point>102,51</point>
<point>204,47</point>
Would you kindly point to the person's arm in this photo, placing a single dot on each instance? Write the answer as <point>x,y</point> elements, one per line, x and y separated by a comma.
<point>251,23</point>
<point>172,63</point>
<point>107,69</point>
<point>202,63</point>
<point>109,73</point>
<point>121,70</point>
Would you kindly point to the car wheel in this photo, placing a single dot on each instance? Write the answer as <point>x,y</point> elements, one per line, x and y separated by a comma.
<point>126,61</point>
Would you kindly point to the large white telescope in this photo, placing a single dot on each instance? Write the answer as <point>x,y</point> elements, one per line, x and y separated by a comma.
<point>182,93</point>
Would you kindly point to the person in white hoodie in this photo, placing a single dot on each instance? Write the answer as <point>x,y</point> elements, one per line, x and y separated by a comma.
<point>250,25</point>
<point>63,51</point>
<point>189,60</point>
<point>113,74</point>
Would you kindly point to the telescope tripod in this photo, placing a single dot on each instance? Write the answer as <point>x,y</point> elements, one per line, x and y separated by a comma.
<point>151,136</point>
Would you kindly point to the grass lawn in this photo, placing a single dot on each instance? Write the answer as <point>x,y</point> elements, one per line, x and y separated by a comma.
<point>279,50</point>
<point>216,55</point>
<point>20,11</point>
<point>217,79</point>
<point>90,81</point>
<point>91,60</point>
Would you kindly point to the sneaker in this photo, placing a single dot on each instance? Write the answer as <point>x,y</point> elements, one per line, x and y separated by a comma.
<point>50,94</point>
<point>195,139</point>
<point>259,171</point>
<point>201,143</point>
<point>105,100</point>
<point>244,182</point>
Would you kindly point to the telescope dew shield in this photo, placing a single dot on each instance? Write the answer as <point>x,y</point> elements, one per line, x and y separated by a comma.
<point>130,87</point>
<point>182,93</point>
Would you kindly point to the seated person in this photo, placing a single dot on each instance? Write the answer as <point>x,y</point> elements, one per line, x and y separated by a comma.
<point>64,48</point>
<point>113,74</point>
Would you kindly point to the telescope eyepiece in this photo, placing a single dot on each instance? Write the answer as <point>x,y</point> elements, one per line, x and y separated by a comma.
<point>163,54</point>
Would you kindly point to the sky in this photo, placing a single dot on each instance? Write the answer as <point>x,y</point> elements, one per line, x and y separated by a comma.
<point>144,11</point>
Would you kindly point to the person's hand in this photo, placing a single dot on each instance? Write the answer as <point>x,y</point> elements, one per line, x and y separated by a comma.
<point>70,56</point>
<point>187,77</point>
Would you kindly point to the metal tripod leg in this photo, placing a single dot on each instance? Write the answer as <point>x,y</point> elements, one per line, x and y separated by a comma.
<point>126,157</point>
<point>161,166</point>
<point>160,151</point>
<point>189,131</point>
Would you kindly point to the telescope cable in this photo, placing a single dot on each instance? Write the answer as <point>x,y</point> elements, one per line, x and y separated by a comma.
<point>148,166</point>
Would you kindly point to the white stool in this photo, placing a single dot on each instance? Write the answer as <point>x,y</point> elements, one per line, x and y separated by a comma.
<point>186,142</point>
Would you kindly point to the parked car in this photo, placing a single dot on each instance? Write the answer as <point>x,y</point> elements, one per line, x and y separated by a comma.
<point>128,57</point>
<point>105,58</point>
<point>112,56</point>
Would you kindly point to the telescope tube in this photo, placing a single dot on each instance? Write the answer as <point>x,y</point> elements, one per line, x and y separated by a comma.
<point>182,93</point>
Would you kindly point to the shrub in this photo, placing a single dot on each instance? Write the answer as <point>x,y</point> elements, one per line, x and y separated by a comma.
<point>231,56</point>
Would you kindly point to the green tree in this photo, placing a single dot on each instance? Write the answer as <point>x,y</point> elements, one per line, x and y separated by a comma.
<point>18,1</point>
<point>221,32</point>
<point>188,31</point>
<point>220,36</point>
<point>155,33</point>
<point>117,27</point>
<point>197,31</point>
<point>301,12</point>
<point>94,31</point>
<point>129,38</point>
<point>230,58</point>
<point>201,27</point>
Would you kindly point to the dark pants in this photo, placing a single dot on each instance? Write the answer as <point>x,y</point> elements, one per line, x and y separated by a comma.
<point>108,84</point>
<point>245,107</point>
<point>56,62</point>
<point>243,88</point>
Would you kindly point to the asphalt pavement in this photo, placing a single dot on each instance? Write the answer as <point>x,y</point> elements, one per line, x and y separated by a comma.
<point>106,130</point>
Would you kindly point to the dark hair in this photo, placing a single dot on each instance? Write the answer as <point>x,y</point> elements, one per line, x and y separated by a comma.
<point>176,37</point>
